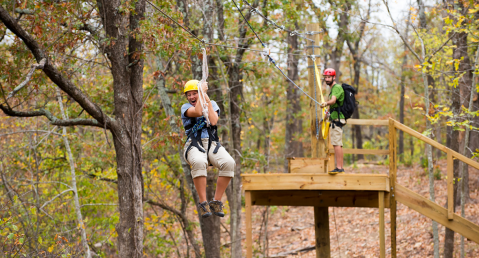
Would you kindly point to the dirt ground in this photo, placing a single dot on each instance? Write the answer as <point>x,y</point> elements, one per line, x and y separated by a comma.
<point>354,232</point>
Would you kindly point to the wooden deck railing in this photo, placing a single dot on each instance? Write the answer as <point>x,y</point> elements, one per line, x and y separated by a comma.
<point>395,125</point>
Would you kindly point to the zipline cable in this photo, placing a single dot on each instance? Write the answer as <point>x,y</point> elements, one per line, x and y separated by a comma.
<point>254,10</point>
<point>271,59</point>
<point>202,40</point>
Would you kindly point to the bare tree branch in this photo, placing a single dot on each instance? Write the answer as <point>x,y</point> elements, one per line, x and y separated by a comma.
<point>53,119</point>
<point>56,196</point>
<point>29,77</point>
<point>54,75</point>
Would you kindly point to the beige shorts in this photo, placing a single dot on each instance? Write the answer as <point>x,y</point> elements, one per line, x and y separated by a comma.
<point>198,160</point>
<point>336,134</point>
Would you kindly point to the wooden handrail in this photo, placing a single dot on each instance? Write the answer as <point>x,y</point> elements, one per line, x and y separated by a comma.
<point>367,122</point>
<point>435,144</point>
<point>362,151</point>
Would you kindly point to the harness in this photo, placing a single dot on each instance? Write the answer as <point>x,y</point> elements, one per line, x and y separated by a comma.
<point>195,135</point>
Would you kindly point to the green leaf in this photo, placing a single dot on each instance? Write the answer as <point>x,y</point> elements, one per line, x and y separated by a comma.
<point>10,236</point>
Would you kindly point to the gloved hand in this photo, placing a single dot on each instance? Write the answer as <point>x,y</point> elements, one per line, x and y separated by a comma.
<point>323,105</point>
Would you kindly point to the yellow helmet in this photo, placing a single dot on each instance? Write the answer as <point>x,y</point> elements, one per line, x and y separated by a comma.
<point>191,85</point>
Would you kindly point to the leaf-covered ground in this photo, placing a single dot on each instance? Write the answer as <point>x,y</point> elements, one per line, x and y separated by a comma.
<point>354,232</point>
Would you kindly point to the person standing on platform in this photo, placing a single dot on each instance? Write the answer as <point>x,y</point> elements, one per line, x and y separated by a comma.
<point>336,99</point>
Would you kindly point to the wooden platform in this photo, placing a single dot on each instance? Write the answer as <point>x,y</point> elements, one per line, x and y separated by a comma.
<point>315,181</point>
<point>318,190</point>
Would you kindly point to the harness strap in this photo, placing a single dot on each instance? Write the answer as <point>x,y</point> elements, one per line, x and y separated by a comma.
<point>337,123</point>
<point>218,145</point>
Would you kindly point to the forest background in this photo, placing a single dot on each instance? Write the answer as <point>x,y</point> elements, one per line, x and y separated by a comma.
<point>81,178</point>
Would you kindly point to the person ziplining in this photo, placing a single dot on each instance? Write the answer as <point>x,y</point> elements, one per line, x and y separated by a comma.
<point>200,117</point>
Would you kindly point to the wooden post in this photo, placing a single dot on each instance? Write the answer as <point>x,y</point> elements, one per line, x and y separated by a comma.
<point>450,185</point>
<point>318,148</point>
<point>321,226</point>
<point>382,240</point>
<point>249,229</point>
<point>392,183</point>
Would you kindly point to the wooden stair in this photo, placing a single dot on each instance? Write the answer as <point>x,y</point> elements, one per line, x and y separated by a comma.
<point>437,213</point>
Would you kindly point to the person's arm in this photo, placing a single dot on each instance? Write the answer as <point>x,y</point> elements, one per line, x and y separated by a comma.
<point>212,115</point>
<point>329,102</point>
<point>197,111</point>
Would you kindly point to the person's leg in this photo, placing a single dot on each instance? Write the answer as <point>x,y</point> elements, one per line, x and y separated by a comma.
<point>200,185</point>
<point>336,134</point>
<point>198,162</point>
<point>221,185</point>
<point>226,165</point>
<point>338,154</point>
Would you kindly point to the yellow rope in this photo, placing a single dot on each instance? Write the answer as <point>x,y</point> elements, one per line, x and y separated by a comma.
<point>324,121</point>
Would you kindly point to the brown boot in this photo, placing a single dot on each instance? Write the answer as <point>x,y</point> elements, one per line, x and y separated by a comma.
<point>217,208</point>
<point>204,209</point>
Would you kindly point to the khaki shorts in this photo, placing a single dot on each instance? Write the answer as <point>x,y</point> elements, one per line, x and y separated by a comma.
<point>336,134</point>
<point>198,160</point>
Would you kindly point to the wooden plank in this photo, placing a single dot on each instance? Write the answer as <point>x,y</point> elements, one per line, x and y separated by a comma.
<point>321,224</point>
<point>362,151</point>
<point>367,122</point>
<point>306,165</point>
<point>435,212</point>
<point>450,185</point>
<point>435,144</point>
<point>320,198</point>
<point>392,182</point>
<point>367,182</point>
<point>382,236</point>
<point>249,223</point>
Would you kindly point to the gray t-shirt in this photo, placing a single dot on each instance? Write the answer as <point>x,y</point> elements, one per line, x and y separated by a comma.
<point>187,120</point>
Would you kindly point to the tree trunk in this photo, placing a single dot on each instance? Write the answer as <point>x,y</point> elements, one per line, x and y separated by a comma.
<point>292,147</point>
<point>401,101</point>
<point>127,71</point>
<point>236,92</point>
<point>465,84</point>
<point>166,102</point>
<point>80,223</point>
<point>427,80</point>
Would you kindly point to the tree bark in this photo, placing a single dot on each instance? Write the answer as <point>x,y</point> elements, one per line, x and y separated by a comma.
<point>166,102</point>
<point>401,101</point>
<point>235,83</point>
<point>292,147</point>
<point>127,71</point>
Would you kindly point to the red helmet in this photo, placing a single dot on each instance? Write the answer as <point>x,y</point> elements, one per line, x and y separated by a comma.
<point>330,71</point>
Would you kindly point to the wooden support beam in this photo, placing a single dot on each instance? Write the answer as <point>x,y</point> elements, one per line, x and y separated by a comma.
<point>368,182</point>
<point>382,238</point>
<point>362,151</point>
<point>450,185</point>
<point>340,198</point>
<point>392,183</point>
<point>321,224</point>
<point>367,122</point>
<point>436,212</point>
<point>249,223</point>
